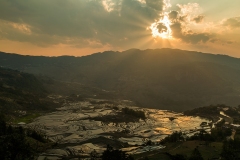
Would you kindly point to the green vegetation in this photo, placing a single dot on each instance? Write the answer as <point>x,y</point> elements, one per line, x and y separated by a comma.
<point>202,135</point>
<point>196,155</point>
<point>27,118</point>
<point>206,110</point>
<point>20,144</point>
<point>191,78</point>
<point>231,150</point>
<point>138,114</point>
<point>202,145</point>
<point>115,154</point>
<point>220,133</point>
<point>176,157</point>
<point>161,78</point>
<point>174,137</point>
<point>22,95</point>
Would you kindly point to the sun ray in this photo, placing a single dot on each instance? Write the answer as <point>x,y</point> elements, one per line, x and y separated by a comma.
<point>161,28</point>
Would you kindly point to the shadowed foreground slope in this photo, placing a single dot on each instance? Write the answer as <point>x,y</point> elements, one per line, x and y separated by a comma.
<point>21,92</point>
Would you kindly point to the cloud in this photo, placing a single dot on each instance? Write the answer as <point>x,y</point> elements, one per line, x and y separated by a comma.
<point>185,18</point>
<point>173,15</point>
<point>188,36</point>
<point>162,28</point>
<point>155,4</point>
<point>107,22</point>
<point>190,12</point>
<point>232,22</point>
<point>198,19</point>
<point>117,24</point>
<point>23,33</point>
<point>108,5</point>
<point>189,9</point>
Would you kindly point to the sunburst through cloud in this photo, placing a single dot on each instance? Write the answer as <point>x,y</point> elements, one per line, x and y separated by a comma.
<point>118,25</point>
<point>161,28</point>
<point>119,79</point>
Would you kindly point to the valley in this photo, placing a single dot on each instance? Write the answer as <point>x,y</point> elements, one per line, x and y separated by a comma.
<point>89,125</point>
<point>119,80</point>
<point>164,78</point>
<point>167,108</point>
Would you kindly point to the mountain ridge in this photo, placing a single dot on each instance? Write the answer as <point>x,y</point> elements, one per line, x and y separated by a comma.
<point>159,78</point>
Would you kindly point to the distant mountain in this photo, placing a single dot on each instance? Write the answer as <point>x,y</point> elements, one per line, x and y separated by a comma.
<point>160,78</point>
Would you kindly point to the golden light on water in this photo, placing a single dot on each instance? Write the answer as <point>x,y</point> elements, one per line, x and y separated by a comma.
<point>162,28</point>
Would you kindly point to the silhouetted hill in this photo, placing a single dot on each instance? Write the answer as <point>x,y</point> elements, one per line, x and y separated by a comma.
<point>21,92</point>
<point>16,80</point>
<point>160,78</point>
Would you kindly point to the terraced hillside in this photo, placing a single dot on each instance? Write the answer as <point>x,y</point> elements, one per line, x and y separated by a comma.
<point>161,78</point>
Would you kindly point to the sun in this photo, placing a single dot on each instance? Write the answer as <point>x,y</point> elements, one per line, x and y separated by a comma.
<point>161,28</point>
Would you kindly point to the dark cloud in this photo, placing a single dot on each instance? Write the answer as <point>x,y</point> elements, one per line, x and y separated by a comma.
<point>197,37</point>
<point>173,15</point>
<point>180,31</point>
<point>78,21</point>
<point>189,37</point>
<point>198,19</point>
<point>156,4</point>
<point>232,22</point>
<point>162,28</point>
<point>182,18</point>
<point>230,42</point>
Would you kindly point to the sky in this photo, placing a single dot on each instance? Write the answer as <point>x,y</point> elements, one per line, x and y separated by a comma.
<point>83,27</point>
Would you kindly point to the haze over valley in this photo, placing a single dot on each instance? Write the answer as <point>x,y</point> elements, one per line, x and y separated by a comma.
<point>119,80</point>
<point>79,115</point>
<point>161,78</point>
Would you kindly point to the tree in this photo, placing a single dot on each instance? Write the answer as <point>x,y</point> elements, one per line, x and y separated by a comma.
<point>93,155</point>
<point>15,147</point>
<point>196,155</point>
<point>174,137</point>
<point>15,143</point>
<point>3,127</point>
<point>112,154</point>
<point>231,150</point>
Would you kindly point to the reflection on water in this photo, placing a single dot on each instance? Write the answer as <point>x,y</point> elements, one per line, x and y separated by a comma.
<point>70,124</point>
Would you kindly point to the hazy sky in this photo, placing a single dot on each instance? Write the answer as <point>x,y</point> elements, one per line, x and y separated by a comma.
<point>81,27</point>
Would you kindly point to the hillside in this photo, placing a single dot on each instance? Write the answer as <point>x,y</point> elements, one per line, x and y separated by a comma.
<point>21,93</point>
<point>161,78</point>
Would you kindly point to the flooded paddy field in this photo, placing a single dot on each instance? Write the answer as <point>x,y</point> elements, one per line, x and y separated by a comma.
<point>82,127</point>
